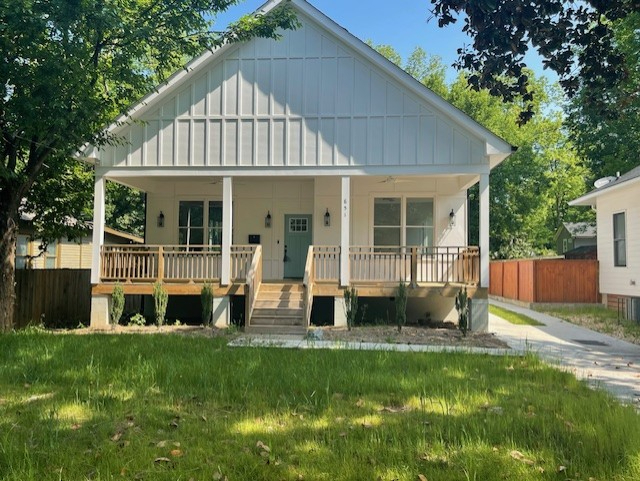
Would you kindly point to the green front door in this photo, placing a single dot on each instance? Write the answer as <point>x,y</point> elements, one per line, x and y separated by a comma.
<point>297,239</point>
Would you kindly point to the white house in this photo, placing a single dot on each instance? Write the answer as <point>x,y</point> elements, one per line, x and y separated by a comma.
<point>287,170</point>
<point>617,206</point>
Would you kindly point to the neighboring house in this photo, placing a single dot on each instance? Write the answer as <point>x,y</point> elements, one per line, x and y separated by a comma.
<point>572,235</point>
<point>285,171</point>
<point>62,253</point>
<point>618,219</point>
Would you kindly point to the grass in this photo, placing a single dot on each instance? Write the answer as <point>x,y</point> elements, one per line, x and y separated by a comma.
<point>513,317</point>
<point>598,318</point>
<point>159,407</point>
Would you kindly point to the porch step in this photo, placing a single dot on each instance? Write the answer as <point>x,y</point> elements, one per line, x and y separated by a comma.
<point>279,305</point>
<point>277,296</point>
<point>283,287</point>
<point>276,330</point>
<point>276,321</point>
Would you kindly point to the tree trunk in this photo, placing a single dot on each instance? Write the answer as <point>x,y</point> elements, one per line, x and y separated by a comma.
<point>8,236</point>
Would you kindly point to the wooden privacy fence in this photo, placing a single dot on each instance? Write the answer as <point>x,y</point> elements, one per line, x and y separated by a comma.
<point>55,296</point>
<point>545,280</point>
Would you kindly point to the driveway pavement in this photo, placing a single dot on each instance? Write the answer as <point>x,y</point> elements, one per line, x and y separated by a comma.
<point>603,361</point>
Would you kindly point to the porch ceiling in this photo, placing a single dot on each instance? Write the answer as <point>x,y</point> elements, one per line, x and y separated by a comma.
<point>159,184</point>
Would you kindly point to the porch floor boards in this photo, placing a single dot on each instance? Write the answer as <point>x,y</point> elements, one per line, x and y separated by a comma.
<point>320,288</point>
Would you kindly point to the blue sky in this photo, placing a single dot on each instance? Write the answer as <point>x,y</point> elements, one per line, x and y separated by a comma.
<point>404,26</point>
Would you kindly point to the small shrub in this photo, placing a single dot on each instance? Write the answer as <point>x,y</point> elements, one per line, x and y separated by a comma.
<point>350,305</point>
<point>160,300</point>
<point>462,306</point>
<point>401,305</point>
<point>137,320</point>
<point>206,299</point>
<point>117,303</point>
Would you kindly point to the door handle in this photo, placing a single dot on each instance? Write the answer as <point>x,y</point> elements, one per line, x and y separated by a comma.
<point>285,254</point>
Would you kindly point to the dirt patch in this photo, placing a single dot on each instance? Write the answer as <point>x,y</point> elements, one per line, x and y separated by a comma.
<point>413,335</point>
<point>180,330</point>
<point>375,334</point>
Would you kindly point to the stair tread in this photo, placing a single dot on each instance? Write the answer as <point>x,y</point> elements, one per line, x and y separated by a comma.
<point>276,329</point>
<point>279,304</point>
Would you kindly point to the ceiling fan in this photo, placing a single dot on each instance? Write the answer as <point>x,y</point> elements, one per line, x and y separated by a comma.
<point>391,179</point>
<point>218,180</point>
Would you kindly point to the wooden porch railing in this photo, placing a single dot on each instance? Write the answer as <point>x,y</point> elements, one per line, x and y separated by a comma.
<point>326,263</point>
<point>172,263</point>
<point>415,265</point>
<point>308,280</point>
<point>253,281</point>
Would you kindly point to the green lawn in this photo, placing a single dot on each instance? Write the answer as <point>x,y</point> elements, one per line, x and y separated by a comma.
<point>513,317</point>
<point>160,407</point>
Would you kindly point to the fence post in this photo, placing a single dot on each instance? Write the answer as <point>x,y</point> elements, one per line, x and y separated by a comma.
<point>160,264</point>
<point>414,267</point>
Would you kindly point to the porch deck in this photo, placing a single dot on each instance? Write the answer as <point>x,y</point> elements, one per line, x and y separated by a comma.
<point>373,270</point>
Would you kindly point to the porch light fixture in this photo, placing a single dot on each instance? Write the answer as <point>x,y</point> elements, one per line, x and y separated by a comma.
<point>327,218</point>
<point>161,220</point>
<point>452,218</point>
<point>267,220</point>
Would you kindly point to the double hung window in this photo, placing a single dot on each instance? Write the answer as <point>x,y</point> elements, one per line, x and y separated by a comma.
<point>619,240</point>
<point>199,223</point>
<point>402,221</point>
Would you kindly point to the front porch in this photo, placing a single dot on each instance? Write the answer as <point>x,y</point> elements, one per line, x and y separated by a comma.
<point>373,271</point>
<point>325,232</point>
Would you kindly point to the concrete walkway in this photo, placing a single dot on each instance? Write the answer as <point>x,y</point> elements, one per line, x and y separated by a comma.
<point>603,361</point>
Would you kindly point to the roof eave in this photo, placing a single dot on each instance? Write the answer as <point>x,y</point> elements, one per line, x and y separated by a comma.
<point>590,199</point>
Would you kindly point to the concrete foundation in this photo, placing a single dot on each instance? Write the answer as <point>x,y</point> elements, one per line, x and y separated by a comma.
<point>100,311</point>
<point>339,316</point>
<point>221,311</point>
<point>480,315</point>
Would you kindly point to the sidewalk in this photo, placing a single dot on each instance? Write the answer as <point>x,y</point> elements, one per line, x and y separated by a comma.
<point>602,360</point>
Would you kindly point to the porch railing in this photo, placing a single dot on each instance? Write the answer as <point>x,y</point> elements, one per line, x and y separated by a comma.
<point>415,265</point>
<point>308,281</point>
<point>326,263</point>
<point>254,279</point>
<point>172,263</point>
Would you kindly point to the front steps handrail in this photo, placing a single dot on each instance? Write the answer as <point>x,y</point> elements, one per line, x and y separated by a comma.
<point>253,281</point>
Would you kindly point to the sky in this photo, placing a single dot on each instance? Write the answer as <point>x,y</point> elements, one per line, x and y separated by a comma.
<point>404,26</point>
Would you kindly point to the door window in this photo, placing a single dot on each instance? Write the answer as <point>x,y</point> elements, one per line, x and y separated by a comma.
<point>298,224</point>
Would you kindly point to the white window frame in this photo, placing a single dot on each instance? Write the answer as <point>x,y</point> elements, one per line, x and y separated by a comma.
<point>205,217</point>
<point>403,213</point>
<point>616,261</point>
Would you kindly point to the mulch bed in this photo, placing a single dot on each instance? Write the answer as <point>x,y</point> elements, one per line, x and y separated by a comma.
<point>442,336</point>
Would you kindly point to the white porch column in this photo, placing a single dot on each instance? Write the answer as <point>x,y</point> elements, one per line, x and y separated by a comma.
<point>227,229</point>
<point>98,227</point>
<point>484,230</point>
<point>345,223</point>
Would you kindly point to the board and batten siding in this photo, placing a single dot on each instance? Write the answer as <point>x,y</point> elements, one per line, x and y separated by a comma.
<point>305,100</point>
<point>619,280</point>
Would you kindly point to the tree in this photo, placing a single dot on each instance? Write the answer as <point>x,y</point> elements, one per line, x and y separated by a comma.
<point>607,134</point>
<point>574,38</point>
<point>70,67</point>
<point>125,208</point>
<point>528,190</point>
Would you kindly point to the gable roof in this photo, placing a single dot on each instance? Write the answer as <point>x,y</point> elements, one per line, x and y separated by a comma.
<point>629,178</point>
<point>580,229</point>
<point>496,148</point>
